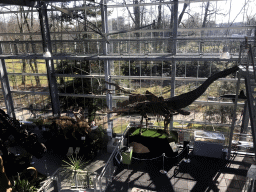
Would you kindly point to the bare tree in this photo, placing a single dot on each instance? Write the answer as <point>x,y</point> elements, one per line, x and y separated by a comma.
<point>22,21</point>
<point>35,67</point>
<point>136,10</point>
<point>171,8</point>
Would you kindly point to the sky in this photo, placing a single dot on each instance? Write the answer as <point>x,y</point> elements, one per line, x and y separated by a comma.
<point>229,10</point>
<point>236,10</point>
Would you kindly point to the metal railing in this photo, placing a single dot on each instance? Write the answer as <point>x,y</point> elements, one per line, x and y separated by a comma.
<point>61,180</point>
<point>85,180</point>
<point>106,175</point>
<point>51,184</point>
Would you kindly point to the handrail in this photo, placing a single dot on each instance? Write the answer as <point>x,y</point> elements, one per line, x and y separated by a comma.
<point>52,177</point>
<point>113,153</point>
<point>111,157</point>
<point>99,178</point>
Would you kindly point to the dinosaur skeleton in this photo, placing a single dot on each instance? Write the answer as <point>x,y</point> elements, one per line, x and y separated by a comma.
<point>151,104</point>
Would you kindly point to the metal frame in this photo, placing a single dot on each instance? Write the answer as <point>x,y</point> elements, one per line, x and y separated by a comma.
<point>49,62</point>
<point>139,57</point>
<point>174,51</point>
<point>6,87</point>
<point>109,57</point>
<point>107,64</point>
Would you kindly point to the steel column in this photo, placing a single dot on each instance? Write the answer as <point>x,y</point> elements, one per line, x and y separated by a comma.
<point>46,40</point>
<point>6,87</point>
<point>251,110</point>
<point>107,63</point>
<point>234,118</point>
<point>174,45</point>
<point>245,120</point>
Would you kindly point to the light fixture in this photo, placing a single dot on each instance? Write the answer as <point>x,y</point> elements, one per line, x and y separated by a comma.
<point>47,53</point>
<point>225,54</point>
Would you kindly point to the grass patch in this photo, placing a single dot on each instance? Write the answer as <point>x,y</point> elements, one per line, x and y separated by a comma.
<point>150,133</point>
<point>161,124</point>
<point>16,81</point>
<point>120,127</point>
<point>154,133</point>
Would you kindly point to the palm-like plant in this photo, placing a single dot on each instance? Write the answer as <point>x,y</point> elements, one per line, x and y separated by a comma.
<point>74,165</point>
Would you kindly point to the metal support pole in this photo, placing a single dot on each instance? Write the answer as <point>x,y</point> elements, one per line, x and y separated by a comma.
<point>100,183</point>
<point>251,107</point>
<point>245,120</point>
<point>95,183</point>
<point>46,40</point>
<point>55,183</point>
<point>6,87</point>
<point>107,63</point>
<point>163,171</point>
<point>174,46</point>
<point>234,118</point>
<point>59,181</point>
<point>254,37</point>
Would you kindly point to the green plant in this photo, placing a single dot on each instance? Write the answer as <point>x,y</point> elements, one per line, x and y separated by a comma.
<point>74,164</point>
<point>99,139</point>
<point>23,186</point>
<point>38,121</point>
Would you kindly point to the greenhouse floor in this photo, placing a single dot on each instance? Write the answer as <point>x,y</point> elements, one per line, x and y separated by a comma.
<point>201,174</point>
<point>49,163</point>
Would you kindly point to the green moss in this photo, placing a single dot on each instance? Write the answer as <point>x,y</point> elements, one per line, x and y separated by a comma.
<point>120,128</point>
<point>154,133</point>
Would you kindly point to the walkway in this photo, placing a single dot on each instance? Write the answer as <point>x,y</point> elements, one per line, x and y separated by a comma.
<point>50,162</point>
<point>201,174</point>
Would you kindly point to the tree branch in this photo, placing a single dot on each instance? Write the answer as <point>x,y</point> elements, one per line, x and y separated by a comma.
<point>182,12</point>
<point>129,12</point>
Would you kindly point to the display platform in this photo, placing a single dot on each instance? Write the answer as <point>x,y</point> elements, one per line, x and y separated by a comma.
<point>208,144</point>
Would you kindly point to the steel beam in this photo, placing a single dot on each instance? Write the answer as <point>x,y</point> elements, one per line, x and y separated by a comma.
<point>29,3</point>
<point>46,40</point>
<point>155,78</point>
<point>144,31</point>
<point>141,39</point>
<point>150,57</point>
<point>122,97</point>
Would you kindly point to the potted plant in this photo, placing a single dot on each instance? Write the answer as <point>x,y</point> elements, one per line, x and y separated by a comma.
<point>39,122</point>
